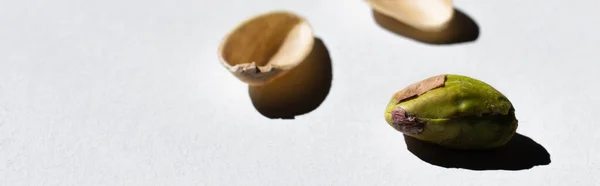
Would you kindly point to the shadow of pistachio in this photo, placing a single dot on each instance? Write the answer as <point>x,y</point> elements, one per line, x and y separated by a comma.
<point>299,91</point>
<point>460,29</point>
<point>519,153</point>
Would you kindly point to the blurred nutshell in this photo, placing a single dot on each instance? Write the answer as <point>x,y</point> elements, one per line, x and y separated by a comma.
<point>299,91</point>
<point>266,46</point>
<point>425,15</point>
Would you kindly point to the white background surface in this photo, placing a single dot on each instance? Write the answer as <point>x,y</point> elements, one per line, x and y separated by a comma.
<point>130,92</point>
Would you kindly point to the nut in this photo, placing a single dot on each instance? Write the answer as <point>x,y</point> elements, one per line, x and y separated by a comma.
<point>265,46</point>
<point>453,111</point>
<point>425,15</point>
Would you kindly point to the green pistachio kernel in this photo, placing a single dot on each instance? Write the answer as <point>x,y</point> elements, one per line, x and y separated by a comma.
<point>453,111</point>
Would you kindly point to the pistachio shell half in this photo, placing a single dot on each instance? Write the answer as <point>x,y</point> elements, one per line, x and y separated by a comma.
<point>266,46</point>
<point>453,111</point>
<point>425,15</point>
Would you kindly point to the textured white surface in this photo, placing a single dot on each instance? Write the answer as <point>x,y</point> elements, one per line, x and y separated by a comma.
<point>130,92</point>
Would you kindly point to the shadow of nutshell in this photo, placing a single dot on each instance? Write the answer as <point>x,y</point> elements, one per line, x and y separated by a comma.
<point>460,29</point>
<point>299,91</point>
<point>519,153</point>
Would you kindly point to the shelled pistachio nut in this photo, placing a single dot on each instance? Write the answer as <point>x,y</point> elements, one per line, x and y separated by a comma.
<point>453,111</point>
<point>425,15</point>
<point>265,46</point>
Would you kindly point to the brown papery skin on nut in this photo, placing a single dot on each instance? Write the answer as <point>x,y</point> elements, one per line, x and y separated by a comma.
<point>420,88</point>
<point>406,123</point>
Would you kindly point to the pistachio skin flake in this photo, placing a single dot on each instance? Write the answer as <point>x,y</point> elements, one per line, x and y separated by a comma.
<point>453,111</point>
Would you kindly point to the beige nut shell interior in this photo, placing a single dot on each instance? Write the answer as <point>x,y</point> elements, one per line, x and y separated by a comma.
<point>425,15</point>
<point>265,46</point>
